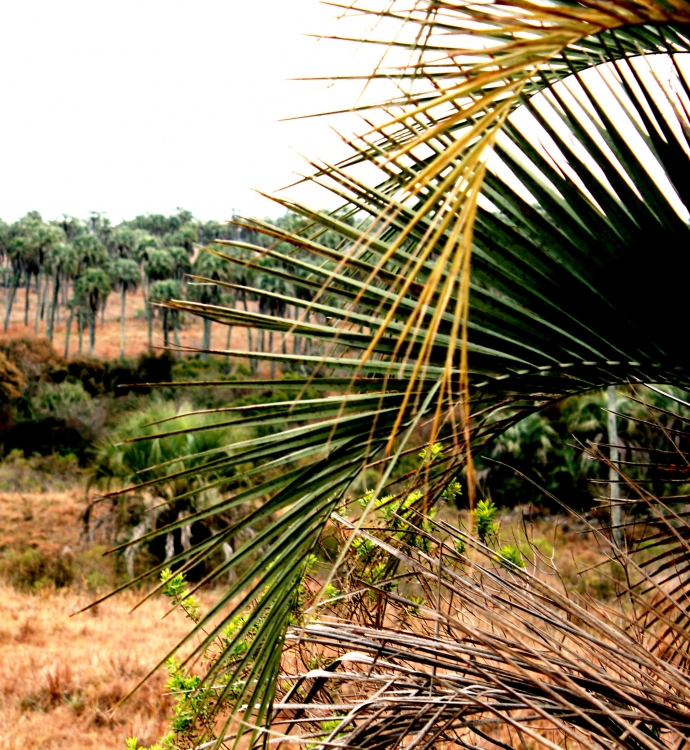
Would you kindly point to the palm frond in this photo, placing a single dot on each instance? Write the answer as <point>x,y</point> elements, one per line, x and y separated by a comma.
<point>495,267</point>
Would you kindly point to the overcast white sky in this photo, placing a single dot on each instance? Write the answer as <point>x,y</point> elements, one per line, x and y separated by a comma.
<point>141,106</point>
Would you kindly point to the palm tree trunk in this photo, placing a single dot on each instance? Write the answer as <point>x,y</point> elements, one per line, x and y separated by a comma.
<point>250,344</point>
<point>149,316</point>
<point>80,328</point>
<point>166,342</point>
<point>270,349</point>
<point>55,306</point>
<point>45,297</point>
<point>37,315</point>
<point>122,323</point>
<point>614,486</point>
<point>228,344</point>
<point>105,302</point>
<point>26,299</point>
<point>12,294</point>
<point>176,329</point>
<point>206,341</point>
<point>67,333</point>
<point>92,330</point>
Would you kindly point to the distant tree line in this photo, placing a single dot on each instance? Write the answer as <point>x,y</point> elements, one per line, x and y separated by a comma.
<point>74,266</point>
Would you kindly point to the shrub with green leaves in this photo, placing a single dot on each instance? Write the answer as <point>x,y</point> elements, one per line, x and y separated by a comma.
<point>184,469</point>
<point>511,557</point>
<point>64,401</point>
<point>483,516</point>
<point>34,569</point>
<point>198,703</point>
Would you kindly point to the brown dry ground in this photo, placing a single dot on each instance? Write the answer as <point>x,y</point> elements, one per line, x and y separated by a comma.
<point>108,336</point>
<point>61,676</point>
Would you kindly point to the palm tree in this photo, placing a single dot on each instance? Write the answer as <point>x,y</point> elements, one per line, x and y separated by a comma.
<point>159,265</point>
<point>185,236</point>
<point>500,263</point>
<point>124,275</point>
<point>93,286</point>
<point>27,242</point>
<point>59,259</point>
<point>119,463</point>
<point>46,236</point>
<point>15,252</point>
<point>76,305</point>
<point>162,292</point>
<point>145,244</point>
<point>273,302</point>
<point>208,271</point>
<point>182,263</point>
<point>123,242</point>
<point>90,251</point>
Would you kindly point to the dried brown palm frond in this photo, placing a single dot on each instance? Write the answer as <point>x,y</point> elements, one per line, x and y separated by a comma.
<point>489,646</point>
<point>655,528</point>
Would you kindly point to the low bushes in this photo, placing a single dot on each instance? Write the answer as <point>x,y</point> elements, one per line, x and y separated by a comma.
<point>51,473</point>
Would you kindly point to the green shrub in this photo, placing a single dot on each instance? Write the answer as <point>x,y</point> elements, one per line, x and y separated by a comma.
<point>53,472</point>
<point>510,557</point>
<point>39,568</point>
<point>65,401</point>
<point>483,516</point>
<point>188,465</point>
<point>89,372</point>
<point>36,569</point>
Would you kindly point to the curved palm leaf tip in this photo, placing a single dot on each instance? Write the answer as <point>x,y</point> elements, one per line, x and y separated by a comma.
<point>550,226</point>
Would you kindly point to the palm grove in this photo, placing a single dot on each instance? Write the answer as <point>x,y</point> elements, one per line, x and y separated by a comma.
<point>74,266</point>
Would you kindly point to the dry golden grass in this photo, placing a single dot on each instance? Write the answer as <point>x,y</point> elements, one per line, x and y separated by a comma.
<point>61,676</point>
<point>39,519</point>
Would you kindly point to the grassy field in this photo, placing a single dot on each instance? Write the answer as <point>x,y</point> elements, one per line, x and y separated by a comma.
<point>63,674</point>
